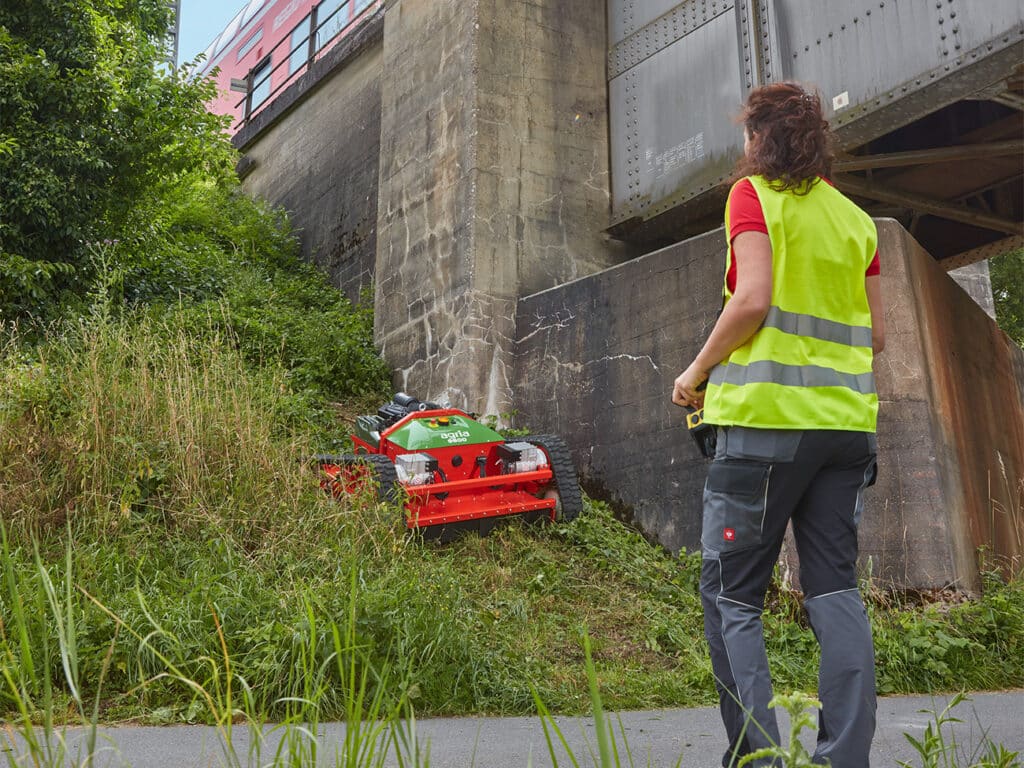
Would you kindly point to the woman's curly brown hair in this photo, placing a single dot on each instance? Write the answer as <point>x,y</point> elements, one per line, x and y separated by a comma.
<point>790,140</point>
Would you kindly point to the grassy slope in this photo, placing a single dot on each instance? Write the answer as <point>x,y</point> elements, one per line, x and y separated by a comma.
<point>167,446</point>
<point>177,469</point>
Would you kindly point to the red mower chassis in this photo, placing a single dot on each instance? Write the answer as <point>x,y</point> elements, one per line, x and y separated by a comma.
<point>451,472</point>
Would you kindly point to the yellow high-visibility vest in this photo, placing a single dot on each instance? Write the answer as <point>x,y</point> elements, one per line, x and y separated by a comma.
<point>809,365</point>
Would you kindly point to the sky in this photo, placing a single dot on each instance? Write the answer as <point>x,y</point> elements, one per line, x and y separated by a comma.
<point>201,21</point>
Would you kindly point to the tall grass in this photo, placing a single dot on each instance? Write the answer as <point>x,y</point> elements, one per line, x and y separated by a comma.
<point>374,728</point>
<point>169,476</point>
<point>27,667</point>
<point>121,421</point>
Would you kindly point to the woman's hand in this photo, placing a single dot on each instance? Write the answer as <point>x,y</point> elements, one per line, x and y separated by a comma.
<point>740,318</point>
<point>685,390</point>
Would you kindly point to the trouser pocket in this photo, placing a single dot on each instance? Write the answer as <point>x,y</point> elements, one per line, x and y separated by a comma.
<point>872,472</point>
<point>734,504</point>
<point>870,476</point>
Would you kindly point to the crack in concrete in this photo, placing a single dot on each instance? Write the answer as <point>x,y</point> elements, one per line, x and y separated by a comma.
<point>633,358</point>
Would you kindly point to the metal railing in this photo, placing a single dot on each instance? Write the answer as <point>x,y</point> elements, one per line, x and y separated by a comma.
<point>313,47</point>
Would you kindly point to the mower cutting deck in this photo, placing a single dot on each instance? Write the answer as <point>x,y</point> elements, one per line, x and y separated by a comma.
<point>451,472</point>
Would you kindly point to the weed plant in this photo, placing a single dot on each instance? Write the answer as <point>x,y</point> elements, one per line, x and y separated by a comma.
<point>938,747</point>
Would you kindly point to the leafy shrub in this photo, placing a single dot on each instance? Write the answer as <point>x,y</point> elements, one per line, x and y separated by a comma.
<point>90,125</point>
<point>1007,273</point>
<point>212,257</point>
<point>192,239</point>
<point>301,322</point>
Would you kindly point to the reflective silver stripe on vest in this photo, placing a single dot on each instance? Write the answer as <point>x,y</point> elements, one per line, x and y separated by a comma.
<point>769,372</point>
<point>818,328</point>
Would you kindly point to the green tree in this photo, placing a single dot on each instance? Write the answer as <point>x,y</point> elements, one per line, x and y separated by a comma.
<point>90,124</point>
<point>1007,274</point>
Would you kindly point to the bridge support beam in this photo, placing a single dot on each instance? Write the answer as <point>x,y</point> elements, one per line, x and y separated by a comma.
<point>493,182</point>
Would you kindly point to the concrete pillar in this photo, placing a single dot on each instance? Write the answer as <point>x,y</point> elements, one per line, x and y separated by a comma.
<point>493,182</point>
<point>969,376</point>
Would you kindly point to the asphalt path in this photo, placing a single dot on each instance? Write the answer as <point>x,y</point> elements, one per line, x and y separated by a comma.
<point>689,738</point>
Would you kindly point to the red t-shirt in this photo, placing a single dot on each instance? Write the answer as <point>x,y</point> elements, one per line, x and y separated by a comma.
<point>745,215</point>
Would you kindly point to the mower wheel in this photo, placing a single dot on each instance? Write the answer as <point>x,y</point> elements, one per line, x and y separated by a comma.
<point>350,473</point>
<point>566,485</point>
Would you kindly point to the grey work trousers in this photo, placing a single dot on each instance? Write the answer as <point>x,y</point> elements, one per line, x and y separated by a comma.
<point>759,481</point>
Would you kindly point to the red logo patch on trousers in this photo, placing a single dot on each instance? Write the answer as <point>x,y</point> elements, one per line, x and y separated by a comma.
<point>729,534</point>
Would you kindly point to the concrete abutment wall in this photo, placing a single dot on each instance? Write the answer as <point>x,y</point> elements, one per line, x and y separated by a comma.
<point>595,361</point>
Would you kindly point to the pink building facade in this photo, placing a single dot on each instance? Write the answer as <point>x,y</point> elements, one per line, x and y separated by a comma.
<point>268,45</point>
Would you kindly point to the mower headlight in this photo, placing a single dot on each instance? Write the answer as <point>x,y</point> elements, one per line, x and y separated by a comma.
<point>522,457</point>
<point>415,468</point>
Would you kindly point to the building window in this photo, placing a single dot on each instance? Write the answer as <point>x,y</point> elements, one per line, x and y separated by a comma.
<point>248,44</point>
<point>260,84</point>
<point>227,35</point>
<point>299,46</point>
<point>331,17</point>
<point>361,5</point>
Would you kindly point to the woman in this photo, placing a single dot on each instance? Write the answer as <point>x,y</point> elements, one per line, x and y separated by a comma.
<point>787,370</point>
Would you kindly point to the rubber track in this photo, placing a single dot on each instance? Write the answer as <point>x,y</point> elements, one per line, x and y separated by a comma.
<point>565,474</point>
<point>386,476</point>
<point>384,473</point>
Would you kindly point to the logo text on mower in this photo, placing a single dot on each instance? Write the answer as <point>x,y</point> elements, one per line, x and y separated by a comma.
<point>459,436</point>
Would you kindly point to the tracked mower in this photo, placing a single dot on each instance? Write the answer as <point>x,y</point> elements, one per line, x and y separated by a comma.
<point>451,472</point>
